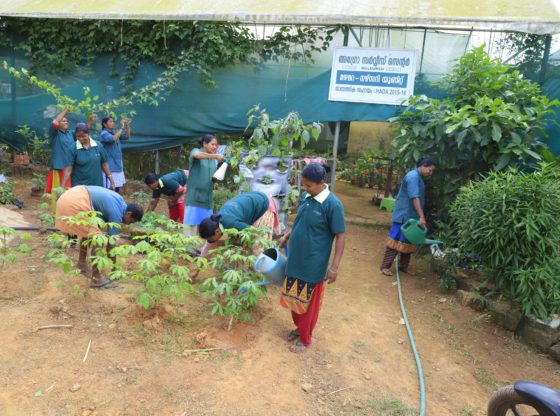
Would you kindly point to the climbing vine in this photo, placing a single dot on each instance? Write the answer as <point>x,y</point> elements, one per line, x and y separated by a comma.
<point>152,93</point>
<point>59,45</point>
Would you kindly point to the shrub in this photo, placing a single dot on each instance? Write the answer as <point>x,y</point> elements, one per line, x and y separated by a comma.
<point>512,221</point>
<point>491,118</point>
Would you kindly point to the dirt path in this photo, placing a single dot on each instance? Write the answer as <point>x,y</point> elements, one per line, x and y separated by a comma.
<point>360,359</point>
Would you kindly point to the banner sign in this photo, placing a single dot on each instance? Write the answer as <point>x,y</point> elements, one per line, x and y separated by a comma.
<point>381,76</point>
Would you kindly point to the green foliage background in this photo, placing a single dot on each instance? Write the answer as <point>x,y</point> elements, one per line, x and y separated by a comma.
<point>492,118</point>
<point>511,220</point>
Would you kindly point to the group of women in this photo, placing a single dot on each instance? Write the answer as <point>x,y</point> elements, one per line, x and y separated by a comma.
<point>79,160</point>
<point>189,192</point>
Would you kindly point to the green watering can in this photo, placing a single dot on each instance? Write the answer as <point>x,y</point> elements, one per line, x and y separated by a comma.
<point>416,234</point>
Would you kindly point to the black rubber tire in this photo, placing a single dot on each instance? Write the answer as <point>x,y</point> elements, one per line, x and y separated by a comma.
<point>503,399</point>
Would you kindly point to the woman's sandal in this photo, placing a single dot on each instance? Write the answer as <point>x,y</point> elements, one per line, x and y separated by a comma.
<point>103,283</point>
<point>292,335</point>
<point>298,347</point>
<point>386,272</point>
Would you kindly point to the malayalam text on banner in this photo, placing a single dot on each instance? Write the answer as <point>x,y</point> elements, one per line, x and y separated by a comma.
<point>382,76</point>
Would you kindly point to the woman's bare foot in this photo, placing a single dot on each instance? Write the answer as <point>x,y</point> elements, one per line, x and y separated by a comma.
<point>386,272</point>
<point>408,271</point>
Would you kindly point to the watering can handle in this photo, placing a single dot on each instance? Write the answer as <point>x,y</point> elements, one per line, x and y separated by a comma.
<point>257,262</point>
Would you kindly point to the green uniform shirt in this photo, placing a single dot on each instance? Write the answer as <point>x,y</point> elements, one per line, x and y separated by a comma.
<point>170,183</point>
<point>61,147</point>
<point>86,164</point>
<point>243,210</point>
<point>200,186</point>
<point>310,243</point>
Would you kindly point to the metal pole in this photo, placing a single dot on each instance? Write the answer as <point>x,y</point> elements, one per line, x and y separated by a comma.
<point>546,54</point>
<point>422,55</point>
<point>157,163</point>
<point>335,153</point>
<point>337,129</point>
<point>13,89</point>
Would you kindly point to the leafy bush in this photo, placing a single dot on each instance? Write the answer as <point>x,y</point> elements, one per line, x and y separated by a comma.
<point>7,192</point>
<point>233,263</point>
<point>9,255</point>
<point>512,221</point>
<point>159,259</point>
<point>37,146</point>
<point>491,118</point>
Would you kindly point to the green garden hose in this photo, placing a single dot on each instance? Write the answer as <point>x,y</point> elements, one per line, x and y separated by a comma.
<point>412,344</point>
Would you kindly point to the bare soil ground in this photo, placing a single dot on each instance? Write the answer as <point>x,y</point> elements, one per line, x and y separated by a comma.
<point>360,362</point>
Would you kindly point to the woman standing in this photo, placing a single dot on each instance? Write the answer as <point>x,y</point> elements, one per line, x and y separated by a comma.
<point>203,162</point>
<point>409,204</point>
<point>62,141</point>
<point>87,161</point>
<point>111,141</point>
<point>319,221</point>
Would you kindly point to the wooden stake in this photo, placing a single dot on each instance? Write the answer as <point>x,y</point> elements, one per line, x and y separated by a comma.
<point>87,351</point>
<point>336,391</point>
<point>202,350</point>
<point>54,327</point>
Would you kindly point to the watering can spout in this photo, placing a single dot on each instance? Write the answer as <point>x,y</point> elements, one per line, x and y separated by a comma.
<point>416,234</point>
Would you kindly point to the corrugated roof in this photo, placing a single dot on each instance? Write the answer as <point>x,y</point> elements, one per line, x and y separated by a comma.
<point>534,16</point>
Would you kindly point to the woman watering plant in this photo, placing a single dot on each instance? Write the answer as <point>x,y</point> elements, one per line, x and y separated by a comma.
<point>409,204</point>
<point>111,141</point>
<point>203,162</point>
<point>319,221</point>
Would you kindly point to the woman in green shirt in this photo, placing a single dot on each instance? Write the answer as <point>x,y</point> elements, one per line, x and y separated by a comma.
<point>319,221</point>
<point>203,162</point>
<point>87,161</point>
<point>242,211</point>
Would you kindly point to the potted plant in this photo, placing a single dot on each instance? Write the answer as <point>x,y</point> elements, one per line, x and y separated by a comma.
<point>39,185</point>
<point>266,179</point>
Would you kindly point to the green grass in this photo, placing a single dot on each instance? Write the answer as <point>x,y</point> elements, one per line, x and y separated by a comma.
<point>388,407</point>
<point>469,411</point>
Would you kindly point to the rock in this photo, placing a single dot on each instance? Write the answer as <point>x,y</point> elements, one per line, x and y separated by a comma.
<point>538,334</point>
<point>554,351</point>
<point>153,324</point>
<point>75,387</point>
<point>306,387</point>
<point>471,299</point>
<point>554,322</point>
<point>442,300</point>
<point>505,315</point>
<point>90,411</point>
